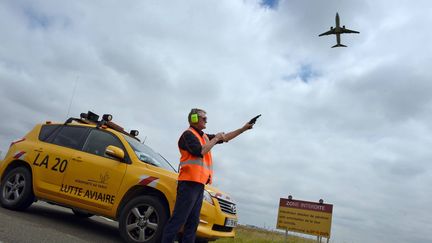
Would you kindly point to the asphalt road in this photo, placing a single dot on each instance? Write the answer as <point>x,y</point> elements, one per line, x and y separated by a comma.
<point>43,222</point>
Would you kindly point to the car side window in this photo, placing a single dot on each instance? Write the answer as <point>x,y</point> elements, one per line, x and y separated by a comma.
<point>47,131</point>
<point>69,136</point>
<point>99,140</point>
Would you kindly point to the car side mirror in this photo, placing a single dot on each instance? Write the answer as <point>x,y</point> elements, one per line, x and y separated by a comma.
<point>115,152</point>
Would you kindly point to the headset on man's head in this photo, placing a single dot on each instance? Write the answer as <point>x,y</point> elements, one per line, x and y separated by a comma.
<point>194,118</point>
<point>194,115</point>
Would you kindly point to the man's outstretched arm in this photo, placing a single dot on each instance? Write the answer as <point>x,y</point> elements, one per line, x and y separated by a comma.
<point>235,133</point>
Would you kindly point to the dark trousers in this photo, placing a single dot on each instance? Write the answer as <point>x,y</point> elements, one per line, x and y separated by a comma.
<point>186,212</point>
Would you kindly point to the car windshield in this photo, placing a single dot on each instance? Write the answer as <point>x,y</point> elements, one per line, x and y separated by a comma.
<point>148,155</point>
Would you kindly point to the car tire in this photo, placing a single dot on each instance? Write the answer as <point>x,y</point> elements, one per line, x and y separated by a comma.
<point>81,214</point>
<point>16,190</point>
<point>143,219</point>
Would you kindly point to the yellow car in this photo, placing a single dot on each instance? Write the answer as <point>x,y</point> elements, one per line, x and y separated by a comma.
<point>95,167</point>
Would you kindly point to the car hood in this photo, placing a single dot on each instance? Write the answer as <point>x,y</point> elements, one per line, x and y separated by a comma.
<point>215,192</point>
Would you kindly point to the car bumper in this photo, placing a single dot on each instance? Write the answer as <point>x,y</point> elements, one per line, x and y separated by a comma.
<point>214,223</point>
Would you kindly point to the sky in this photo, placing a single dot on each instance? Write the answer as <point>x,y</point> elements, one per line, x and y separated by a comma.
<point>349,125</point>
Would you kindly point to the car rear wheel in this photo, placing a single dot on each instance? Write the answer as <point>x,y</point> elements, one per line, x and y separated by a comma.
<point>16,191</point>
<point>143,220</point>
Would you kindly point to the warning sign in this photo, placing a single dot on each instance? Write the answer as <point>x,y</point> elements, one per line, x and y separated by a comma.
<point>305,217</point>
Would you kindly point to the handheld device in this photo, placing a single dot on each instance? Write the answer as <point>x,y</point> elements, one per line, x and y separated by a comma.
<point>253,120</point>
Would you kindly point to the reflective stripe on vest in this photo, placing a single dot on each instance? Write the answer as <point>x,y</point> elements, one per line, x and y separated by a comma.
<point>196,162</point>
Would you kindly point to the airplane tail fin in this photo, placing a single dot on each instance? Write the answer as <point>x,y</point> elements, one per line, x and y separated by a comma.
<point>339,45</point>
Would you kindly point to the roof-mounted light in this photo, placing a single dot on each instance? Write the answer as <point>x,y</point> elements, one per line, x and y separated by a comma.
<point>107,117</point>
<point>90,116</point>
<point>134,133</point>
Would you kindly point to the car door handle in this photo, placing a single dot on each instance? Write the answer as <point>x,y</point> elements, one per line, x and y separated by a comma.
<point>40,150</point>
<point>77,159</point>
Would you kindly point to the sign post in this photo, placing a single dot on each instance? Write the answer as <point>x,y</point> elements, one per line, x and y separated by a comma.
<point>305,217</point>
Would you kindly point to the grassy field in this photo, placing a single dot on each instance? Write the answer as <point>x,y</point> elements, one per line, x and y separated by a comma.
<point>253,235</point>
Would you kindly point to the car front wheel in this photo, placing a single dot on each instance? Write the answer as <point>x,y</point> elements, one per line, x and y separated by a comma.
<point>143,220</point>
<point>16,191</point>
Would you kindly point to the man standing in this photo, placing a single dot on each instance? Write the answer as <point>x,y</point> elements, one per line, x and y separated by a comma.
<point>196,170</point>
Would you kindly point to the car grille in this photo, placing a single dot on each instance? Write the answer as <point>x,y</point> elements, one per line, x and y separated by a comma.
<point>227,207</point>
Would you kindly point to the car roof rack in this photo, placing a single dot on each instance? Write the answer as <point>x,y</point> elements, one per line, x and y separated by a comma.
<point>92,118</point>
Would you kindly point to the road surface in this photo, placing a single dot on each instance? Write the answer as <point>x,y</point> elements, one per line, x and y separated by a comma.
<point>43,222</point>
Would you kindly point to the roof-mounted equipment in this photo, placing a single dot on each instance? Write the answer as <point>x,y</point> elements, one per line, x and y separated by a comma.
<point>134,133</point>
<point>107,117</point>
<point>90,116</point>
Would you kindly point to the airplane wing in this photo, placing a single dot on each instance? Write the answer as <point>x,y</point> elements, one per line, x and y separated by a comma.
<point>332,31</point>
<point>349,31</point>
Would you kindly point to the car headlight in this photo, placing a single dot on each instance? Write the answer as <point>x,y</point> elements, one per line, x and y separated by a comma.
<point>207,197</point>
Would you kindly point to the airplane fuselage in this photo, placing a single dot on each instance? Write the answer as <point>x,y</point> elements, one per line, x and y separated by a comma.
<point>337,20</point>
<point>338,29</point>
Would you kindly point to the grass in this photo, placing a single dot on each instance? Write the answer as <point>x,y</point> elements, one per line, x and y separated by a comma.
<point>246,234</point>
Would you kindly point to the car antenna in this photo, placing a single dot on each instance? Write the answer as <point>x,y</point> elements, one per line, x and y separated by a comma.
<point>144,140</point>
<point>73,95</point>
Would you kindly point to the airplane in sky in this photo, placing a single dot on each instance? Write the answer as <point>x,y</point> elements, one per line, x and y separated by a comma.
<point>338,31</point>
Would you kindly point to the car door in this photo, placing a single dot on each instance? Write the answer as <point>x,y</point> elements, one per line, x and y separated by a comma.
<point>93,177</point>
<point>53,155</point>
